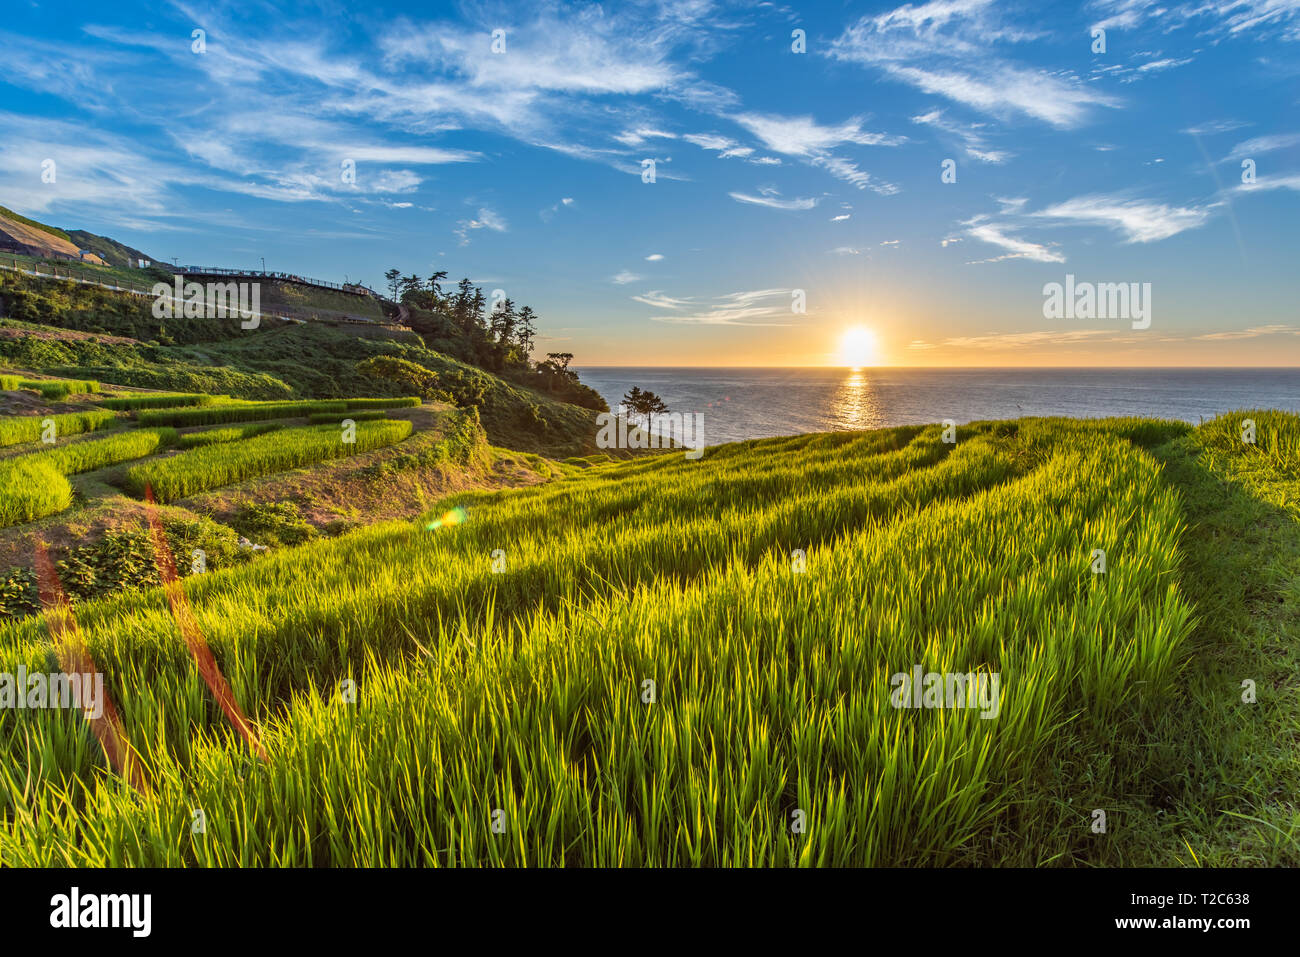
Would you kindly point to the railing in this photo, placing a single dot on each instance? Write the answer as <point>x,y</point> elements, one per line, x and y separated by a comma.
<point>353,288</point>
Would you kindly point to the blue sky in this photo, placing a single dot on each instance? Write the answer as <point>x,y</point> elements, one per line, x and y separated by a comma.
<point>775,170</point>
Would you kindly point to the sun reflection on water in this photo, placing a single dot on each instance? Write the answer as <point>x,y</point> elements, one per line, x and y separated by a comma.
<point>856,404</point>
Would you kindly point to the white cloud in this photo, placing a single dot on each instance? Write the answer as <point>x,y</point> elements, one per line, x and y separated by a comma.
<point>1215,126</point>
<point>773,202</point>
<point>486,219</point>
<point>654,257</point>
<point>804,138</point>
<point>947,48</point>
<point>845,251</point>
<point>1139,221</point>
<point>1216,17</point>
<point>1016,248</point>
<point>660,301</point>
<point>972,140</point>
<point>1271,182</point>
<point>624,277</point>
<point>759,307</point>
<point>1167,63</point>
<point>840,218</point>
<point>1263,144</point>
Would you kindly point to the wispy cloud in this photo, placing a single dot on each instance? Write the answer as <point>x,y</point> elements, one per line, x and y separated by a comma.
<point>1263,18</point>
<point>486,219</point>
<point>660,301</point>
<point>774,202</point>
<point>804,138</point>
<point>1263,144</point>
<point>946,48</point>
<point>1138,221</point>
<point>970,136</point>
<point>759,307</point>
<point>1016,247</point>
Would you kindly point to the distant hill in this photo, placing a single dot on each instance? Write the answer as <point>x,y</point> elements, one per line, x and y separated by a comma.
<point>19,234</point>
<point>109,250</point>
<point>24,236</point>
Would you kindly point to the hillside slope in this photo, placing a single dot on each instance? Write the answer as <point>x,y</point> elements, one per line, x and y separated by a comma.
<point>277,360</point>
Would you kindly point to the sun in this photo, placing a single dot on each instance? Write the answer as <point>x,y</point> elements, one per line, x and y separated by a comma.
<point>858,347</point>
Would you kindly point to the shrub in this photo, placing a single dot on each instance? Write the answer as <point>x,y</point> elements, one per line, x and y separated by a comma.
<point>272,523</point>
<point>403,373</point>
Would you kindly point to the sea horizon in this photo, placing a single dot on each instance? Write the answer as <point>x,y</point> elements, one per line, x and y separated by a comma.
<point>738,403</point>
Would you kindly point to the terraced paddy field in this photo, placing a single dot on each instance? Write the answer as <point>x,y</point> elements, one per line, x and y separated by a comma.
<point>675,662</point>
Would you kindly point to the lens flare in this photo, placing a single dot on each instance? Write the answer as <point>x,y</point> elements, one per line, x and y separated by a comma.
<point>456,516</point>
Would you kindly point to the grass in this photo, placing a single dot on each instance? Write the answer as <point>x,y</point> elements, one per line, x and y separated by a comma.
<point>32,490</point>
<point>769,591</point>
<point>157,400</point>
<point>320,418</point>
<point>207,467</point>
<point>49,388</point>
<point>219,436</point>
<point>238,412</point>
<point>404,402</point>
<point>59,388</point>
<point>33,486</point>
<point>16,429</point>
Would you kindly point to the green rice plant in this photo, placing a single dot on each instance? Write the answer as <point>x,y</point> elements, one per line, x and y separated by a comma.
<point>87,456</point>
<point>157,400</point>
<point>197,470</point>
<point>30,490</point>
<point>410,401</point>
<point>1266,435</point>
<point>59,388</point>
<point>8,383</point>
<point>16,429</point>
<point>772,592</point>
<point>27,490</point>
<point>318,418</point>
<point>220,413</point>
<point>234,434</point>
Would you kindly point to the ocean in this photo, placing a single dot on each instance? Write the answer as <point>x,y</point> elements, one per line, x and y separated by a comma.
<point>739,404</point>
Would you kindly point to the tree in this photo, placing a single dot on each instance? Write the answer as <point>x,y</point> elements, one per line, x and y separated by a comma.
<point>435,286</point>
<point>645,405</point>
<point>526,332</point>
<point>562,360</point>
<point>393,275</point>
<point>410,285</point>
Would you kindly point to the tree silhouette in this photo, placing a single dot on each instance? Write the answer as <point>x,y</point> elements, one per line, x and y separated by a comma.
<point>645,405</point>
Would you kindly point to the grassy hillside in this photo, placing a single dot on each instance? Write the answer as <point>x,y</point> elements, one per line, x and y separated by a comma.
<point>501,649</point>
<point>278,360</point>
<point>109,250</point>
<point>9,213</point>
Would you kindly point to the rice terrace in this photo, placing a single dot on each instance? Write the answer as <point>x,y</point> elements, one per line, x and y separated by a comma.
<point>855,444</point>
<point>667,661</point>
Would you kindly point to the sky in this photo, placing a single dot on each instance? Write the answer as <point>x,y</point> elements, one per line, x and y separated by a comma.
<point>694,183</point>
